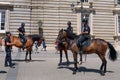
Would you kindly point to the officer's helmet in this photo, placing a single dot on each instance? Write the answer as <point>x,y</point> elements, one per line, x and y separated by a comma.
<point>22,24</point>
<point>69,22</point>
<point>85,20</point>
<point>7,33</point>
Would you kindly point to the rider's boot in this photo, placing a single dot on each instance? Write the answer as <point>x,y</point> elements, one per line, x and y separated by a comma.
<point>80,53</point>
<point>24,43</point>
<point>80,48</point>
<point>24,46</point>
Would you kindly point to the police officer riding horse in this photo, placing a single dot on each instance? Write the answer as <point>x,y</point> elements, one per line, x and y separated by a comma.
<point>84,35</point>
<point>21,31</point>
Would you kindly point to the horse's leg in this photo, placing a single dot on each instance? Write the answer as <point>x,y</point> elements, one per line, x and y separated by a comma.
<point>30,52</point>
<point>26,56</point>
<point>103,65</point>
<point>80,62</point>
<point>60,57</point>
<point>75,62</point>
<point>66,54</point>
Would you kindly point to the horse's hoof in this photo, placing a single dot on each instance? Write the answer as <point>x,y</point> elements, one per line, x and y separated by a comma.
<point>102,73</point>
<point>59,64</point>
<point>30,60</point>
<point>80,62</point>
<point>26,61</point>
<point>68,63</point>
<point>74,72</point>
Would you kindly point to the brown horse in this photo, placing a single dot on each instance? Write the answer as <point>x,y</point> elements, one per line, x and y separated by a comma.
<point>29,44</point>
<point>97,46</point>
<point>62,45</point>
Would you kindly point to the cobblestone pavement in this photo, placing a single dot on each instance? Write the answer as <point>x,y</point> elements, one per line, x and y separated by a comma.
<point>44,66</point>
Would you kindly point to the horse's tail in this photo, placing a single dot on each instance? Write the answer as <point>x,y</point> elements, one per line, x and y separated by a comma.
<point>113,53</point>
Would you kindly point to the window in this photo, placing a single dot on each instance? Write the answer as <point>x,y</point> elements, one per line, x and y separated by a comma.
<point>118,28</point>
<point>84,0</point>
<point>2,20</point>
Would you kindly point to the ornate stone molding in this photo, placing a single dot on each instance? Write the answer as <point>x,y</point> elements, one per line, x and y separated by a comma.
<point>6,5</point>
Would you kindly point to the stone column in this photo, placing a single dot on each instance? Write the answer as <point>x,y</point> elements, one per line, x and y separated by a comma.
<point>7,15</point>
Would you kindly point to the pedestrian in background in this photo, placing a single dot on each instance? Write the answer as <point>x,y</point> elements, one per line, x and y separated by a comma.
<point>44,45</point>
<point>35,47</point>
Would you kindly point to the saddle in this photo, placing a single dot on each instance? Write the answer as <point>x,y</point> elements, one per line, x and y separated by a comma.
<point>23,40</point>
<point>85,44</point>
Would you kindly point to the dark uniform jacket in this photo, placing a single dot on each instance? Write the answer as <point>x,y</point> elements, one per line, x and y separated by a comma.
<point>86,28</point>
<point>22,30</point>
<point>7,48</point>
<point>22,36</point>
<point>70,29</point>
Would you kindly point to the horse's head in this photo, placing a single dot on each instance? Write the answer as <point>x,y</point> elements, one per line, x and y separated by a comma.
<point>36,37</point>
<point>62,34</point>
<point>40,40</point>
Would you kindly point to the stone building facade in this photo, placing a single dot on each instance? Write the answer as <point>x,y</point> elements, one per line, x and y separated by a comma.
<point>104,20</point>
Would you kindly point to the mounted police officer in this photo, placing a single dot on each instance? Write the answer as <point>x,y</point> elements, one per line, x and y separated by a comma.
<point>8,44</point>
<point>70,30</point>
<point>21,31</point>
<point>85,34</point>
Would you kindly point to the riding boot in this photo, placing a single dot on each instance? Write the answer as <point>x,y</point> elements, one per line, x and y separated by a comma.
<point>24,42</point>
<point>24,46</point>
<point>80,49</point>
<point>78,45</point>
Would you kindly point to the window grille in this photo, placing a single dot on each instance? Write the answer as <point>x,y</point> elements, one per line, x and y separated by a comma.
<point>118,24</point>
<point>2,20</point>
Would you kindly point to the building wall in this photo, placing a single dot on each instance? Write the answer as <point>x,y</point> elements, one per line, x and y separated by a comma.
<point>103,20</point>
<point>54,15</point>
<point>20,13</point>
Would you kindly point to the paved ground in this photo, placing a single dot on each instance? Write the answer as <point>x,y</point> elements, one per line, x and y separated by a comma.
<point>45,67</point>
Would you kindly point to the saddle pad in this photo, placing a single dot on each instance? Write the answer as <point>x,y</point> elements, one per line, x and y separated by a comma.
<point>86,43</point>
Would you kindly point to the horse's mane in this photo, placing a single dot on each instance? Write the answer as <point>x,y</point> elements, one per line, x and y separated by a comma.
<point>35,37</point>
<point>71,35</point>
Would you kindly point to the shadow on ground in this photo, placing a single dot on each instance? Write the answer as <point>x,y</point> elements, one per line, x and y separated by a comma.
<point>22,60</point>
<point>3,72</point>
<point>83,69</point>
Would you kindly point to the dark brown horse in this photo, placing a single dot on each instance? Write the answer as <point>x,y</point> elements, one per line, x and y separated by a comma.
<point>97,46</point>
<point>62,45</point>
<point>29,44</point>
